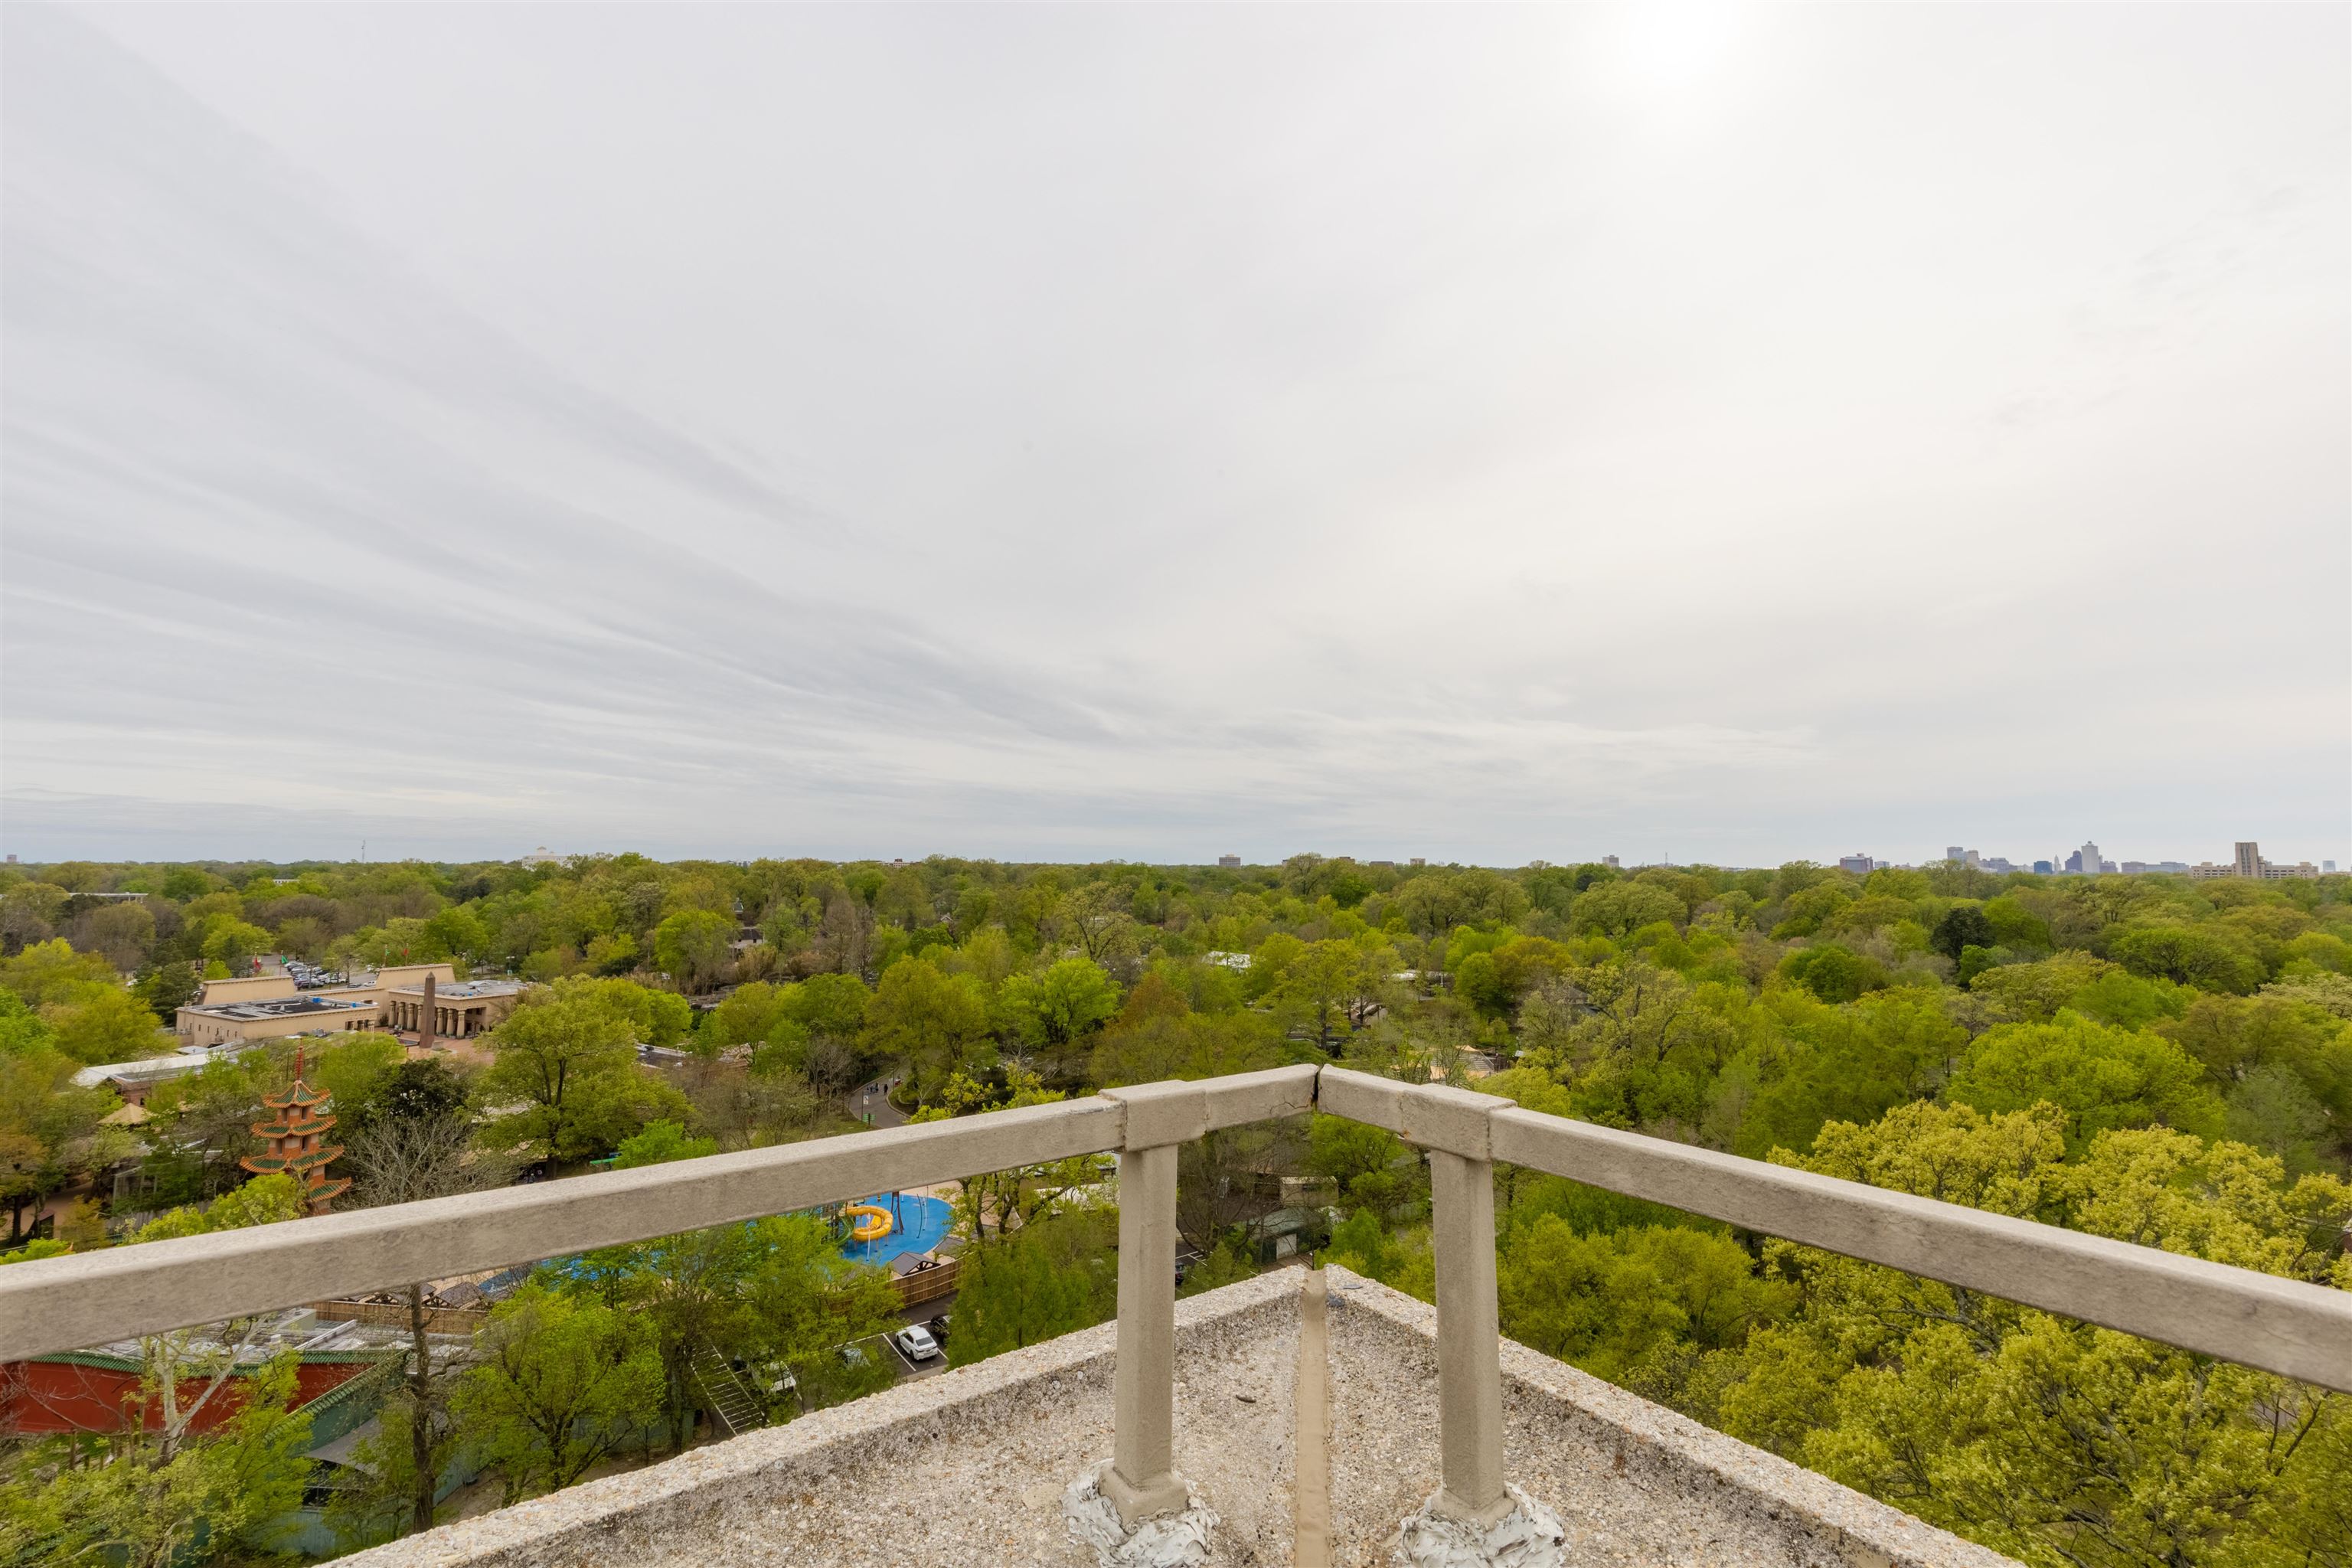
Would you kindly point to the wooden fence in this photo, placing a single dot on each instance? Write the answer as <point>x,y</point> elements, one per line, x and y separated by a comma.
<point>928,1284</point>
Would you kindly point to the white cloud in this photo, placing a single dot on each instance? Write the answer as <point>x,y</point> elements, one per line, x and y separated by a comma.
<point>1150,433</point>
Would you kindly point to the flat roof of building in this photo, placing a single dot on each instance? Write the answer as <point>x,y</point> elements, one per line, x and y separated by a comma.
<point>462,990</point>
<point>149,1070</point>
<point>268,1007</point>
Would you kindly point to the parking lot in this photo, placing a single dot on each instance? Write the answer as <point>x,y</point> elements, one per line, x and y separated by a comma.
<point>931,1366</point>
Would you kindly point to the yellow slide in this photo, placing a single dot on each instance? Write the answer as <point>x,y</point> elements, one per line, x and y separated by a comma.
<point>876,1224</point>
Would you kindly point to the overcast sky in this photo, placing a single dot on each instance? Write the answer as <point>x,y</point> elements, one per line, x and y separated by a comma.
<point>1479,434</point>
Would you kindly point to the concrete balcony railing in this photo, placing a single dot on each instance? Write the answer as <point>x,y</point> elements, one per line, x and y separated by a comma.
<point>1518,1437</point>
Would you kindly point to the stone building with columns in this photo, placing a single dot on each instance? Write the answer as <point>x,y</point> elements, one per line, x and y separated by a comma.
<point>461,1008</point>
<point>270,1006</point>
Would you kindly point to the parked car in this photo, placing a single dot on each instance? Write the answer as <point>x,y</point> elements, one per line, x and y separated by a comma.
<point>915,1343</point>
<point>939,1327</point>
<point>853,1355</point>
<point>773,1378</point>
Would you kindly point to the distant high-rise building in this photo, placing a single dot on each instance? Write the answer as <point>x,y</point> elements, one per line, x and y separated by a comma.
<point>2092,864</point>
<point>1954,852</point>
<point>2247,861</point>
<point>1608,860</point>
<point>1860,865</point>
<point>2041,866</point>
<point>2075,861</point>
<point>1417,860</point>
<point>2326,867</point>
<point>1229,862</point>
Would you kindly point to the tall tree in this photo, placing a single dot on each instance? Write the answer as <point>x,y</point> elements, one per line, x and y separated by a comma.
<point>413,1146</point>
<point>566,1063</point>
<point>559,1384</point>
<point>936,1023</point>
<point>693,946</point>
<point>1035,1284</point>
<point>1320,988</point>
<point>1058,1007</point>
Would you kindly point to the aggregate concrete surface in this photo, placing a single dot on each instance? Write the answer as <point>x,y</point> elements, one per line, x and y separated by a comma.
<point>1633,1483</point>
<point>967,1468</point>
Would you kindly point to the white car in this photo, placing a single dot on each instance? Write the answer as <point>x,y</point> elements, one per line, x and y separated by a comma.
<point>915,1343</point>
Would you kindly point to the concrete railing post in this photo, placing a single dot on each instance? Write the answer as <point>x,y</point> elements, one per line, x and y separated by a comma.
<point>1142,1479</point>
<point>1456,1128</point>
<point>1469,1349</point>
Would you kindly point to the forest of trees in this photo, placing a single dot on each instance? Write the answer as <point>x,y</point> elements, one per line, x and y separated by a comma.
<point>2165,1061</point>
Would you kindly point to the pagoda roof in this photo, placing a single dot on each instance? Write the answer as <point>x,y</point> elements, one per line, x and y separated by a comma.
<point>292,1128</point>
<point>294,1164</point>
<point>298,1094</point>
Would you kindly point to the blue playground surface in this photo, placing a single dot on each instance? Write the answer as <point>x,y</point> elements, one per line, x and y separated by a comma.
<point>921,1225</point>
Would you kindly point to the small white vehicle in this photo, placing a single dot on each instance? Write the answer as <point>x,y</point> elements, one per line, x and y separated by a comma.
<point>915,1343</point>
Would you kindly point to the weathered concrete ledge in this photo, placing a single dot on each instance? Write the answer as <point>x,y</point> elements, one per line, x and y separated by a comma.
<point>1633,1482</point>
<point>969,1468</point>
<point>966,1468</point>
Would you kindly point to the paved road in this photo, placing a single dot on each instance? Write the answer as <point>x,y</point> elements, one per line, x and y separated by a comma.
<point>870,1102</point>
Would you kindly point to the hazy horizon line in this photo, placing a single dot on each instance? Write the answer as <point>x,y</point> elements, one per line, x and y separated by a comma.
<point>1401,862</point>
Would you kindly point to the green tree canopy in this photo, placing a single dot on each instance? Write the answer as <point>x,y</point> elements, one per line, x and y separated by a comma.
<point>1060,1007</point>
<point>1033,1284</point>
<point>2060,1444</point>
<point>107,1026</point>
<point>2101,1078</point>
<point>559,1384</point>
<point>693,946</point>
<point>1963,926</point>
<point>1633,1305</point>
<point>565,1083</point>
<point>2188,956</point>
<point>1614,909</point>
<point>936,1023</point>
<point>1362,1160</point>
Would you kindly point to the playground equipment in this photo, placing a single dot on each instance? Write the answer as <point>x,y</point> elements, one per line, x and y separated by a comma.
<point>881,1227</point>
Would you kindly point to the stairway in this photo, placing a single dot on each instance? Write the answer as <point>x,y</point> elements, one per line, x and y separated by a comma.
<point>731,1404</point>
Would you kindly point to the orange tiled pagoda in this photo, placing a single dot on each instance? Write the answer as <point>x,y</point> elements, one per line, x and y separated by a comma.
<point>297,1137</point>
